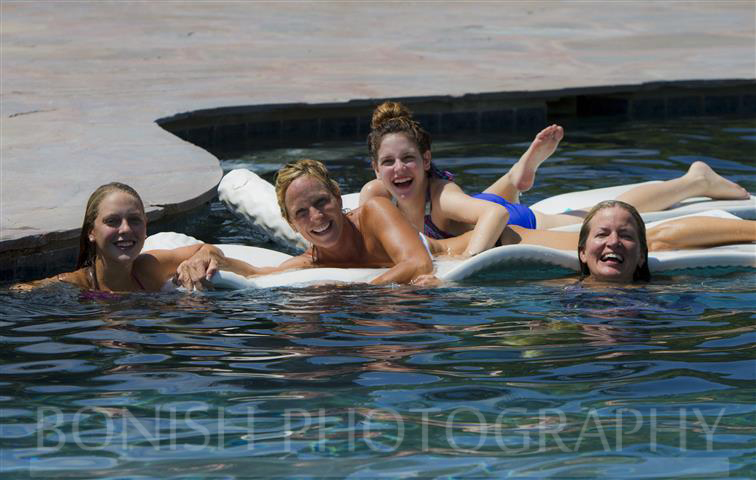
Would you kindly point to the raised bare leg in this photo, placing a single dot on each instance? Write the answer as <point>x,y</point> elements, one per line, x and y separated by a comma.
<point>699,181</point>
<point>521,176</point>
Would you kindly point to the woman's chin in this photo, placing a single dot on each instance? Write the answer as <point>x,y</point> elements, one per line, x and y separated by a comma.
<point>124,257</point>
<point>611,277</point>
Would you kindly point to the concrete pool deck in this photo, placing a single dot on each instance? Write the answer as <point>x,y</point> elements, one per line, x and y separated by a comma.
<point>84,83</point>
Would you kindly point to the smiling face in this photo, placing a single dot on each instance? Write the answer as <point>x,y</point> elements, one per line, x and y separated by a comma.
<point>314,211</point>
<point>401,167</point>
<point>120,228</point>
<point>612,249</point>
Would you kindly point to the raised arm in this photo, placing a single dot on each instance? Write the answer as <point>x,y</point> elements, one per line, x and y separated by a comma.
<point>489,219</point>
<point>385,228</point>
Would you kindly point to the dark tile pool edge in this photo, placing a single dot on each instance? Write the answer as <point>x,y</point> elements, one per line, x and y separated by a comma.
<point>250,126</point>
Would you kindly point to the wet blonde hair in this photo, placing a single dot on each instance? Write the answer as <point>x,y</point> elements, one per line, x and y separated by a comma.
<point>87,249</point>
<point>291,171</point>
<point>393,117</point>
<point>642,272</point>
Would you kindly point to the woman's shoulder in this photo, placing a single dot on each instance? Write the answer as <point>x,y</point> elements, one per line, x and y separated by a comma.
<point>376,216</point>
<point>154,268</point>
<point>373,189</point>
<point>374,205</point>
<point>81,278</point>
<point>441,186</point>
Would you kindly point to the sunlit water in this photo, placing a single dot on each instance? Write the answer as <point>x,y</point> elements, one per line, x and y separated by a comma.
<point>514,375</point>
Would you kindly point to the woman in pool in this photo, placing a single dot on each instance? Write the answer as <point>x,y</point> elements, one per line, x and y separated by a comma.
<point>613,243</point>
<point>110,245</point>
<point>401,158</point>
<point>373,235</point>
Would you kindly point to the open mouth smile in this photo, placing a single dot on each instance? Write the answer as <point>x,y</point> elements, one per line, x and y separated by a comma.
<point>613,258</point>
<point>321,229</point>
<point>403,182</point>
<point>125,244</point>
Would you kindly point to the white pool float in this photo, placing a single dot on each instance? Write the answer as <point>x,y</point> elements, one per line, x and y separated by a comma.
<point>254,199</point>
<point>521,257</point>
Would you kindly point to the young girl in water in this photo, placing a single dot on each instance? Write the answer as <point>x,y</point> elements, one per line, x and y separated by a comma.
<point>110,245</point>
<point>401,157</point>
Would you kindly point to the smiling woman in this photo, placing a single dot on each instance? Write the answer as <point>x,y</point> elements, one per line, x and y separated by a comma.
<point>373,235</point>
<point>111,239</point>
<point>612,244</point>
<point>400,151</point>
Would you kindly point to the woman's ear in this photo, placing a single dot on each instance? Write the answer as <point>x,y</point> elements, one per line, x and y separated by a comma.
<point>91,236</point>
<point>426,160</point>
<point>581,256</point>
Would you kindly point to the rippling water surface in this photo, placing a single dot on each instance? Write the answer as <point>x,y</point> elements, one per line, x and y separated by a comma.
<point>522,377</point>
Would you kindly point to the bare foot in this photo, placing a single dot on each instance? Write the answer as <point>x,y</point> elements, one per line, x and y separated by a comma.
<point>523,172</point>
<point>715,185</point>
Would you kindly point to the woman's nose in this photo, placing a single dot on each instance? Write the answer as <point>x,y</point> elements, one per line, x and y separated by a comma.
<point>125,226</point>
<point>315,213</point>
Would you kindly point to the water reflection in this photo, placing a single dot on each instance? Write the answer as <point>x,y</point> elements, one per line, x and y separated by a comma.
<point>510,376</point>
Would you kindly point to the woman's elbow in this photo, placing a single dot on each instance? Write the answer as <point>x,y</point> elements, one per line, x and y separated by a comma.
<point>420,266</point>
<point>425,265</point>
<point>497,214</point>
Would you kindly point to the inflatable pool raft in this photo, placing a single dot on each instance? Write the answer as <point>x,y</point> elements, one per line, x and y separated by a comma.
<point>499,259</point>
<point>254,199</point>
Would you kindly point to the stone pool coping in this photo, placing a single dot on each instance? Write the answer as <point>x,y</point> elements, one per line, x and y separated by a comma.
<point>90,91</point>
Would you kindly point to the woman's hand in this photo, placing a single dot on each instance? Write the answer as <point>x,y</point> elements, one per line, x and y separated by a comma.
<point>195,272</point>
<point>427,280</point>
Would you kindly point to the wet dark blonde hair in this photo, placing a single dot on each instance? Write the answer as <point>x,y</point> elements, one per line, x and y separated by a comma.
<point>290,172</point>
<point>642,272</point>
<point>87,249</point>
<point>393,117</point>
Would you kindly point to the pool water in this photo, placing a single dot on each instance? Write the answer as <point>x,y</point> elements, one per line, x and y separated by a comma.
<point>521,375</point>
